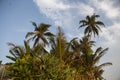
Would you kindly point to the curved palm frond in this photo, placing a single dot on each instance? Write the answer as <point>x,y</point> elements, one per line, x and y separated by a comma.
<point>29,34</point>
<point>100,54</point>
<point>34,24</point>
<point>100,23</point>
<point>49,34</point>
<point>27,47</point>
<point>11,58</point>
<point>43,27</point>
<point>105,64</point>
<point>70,43</point>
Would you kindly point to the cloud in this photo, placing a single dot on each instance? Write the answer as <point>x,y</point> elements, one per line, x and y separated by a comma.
<point>51,4</point>
<point>111,33</point>
<point>63,13</point>
<point>107,7</point>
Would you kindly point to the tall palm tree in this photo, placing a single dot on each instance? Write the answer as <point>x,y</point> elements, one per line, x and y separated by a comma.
<point>58,45</point>
<point>78,48</point>
<point>92,26</point>
<point>39,34</point>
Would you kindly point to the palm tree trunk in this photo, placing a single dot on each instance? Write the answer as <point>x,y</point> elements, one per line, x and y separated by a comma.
<point>60,52</point>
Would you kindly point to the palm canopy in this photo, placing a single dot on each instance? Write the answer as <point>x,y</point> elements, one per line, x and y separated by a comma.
<point>99,53</point>
<point>18,52</point>
<point>58,44</point>
<point>86,45</point>
<point>92,26</point>
<point>40,33</point>
<point>90,67</point>
<point>98,70</point>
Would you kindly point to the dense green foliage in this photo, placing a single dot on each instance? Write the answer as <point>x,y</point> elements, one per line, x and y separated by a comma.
<point>74,60</point>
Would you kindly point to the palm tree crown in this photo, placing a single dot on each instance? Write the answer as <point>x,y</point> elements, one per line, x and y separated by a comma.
<point>92,26</point>
<point>40,33</point>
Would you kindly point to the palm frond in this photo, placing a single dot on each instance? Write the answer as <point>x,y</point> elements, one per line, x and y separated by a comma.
<point>44,40</point>
<point>49,34</point>
<point>87,30</point>
<point>36,42</point>
<point>88,18</point>
<point>98,27</point>
<point>98,50</point>
<point>11,58</point>
<point>12,53</point>
<point>32,38</point>
<point>11,44</point>
<point>27,47</point>
<point>70,43</point>
<point>83,22</point>
<point>21,51</point>
<point>96,16</point>
<point>100,23</point>
<point>34,24</point>
<point>105,64</point>
<point>43,27</point>
<point>52,41</point>
<point>29,34</point>
<point>102,53</point>
<point>95,31</point>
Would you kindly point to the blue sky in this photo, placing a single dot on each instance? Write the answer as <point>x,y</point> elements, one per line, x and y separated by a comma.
<point>15,17</point>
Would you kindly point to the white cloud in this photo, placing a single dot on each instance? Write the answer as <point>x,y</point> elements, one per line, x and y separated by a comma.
<point>62,13</point>
<point>107,7</point>
<point>51,4</point>
<point>85,9</point>
<point>111,34</point>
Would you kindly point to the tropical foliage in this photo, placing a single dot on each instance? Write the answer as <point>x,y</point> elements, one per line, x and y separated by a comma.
<point>73,60</point>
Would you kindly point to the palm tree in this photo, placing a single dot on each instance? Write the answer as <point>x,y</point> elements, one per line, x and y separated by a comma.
<point>90,67</point>
<point>58,45</point>
<point>86,45</point>
<point>26,63</point>
<point>92,26</point>
<point>39,34</point>
<point>99,53</point>
<point>16,51</point>
<point>74,52</point>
